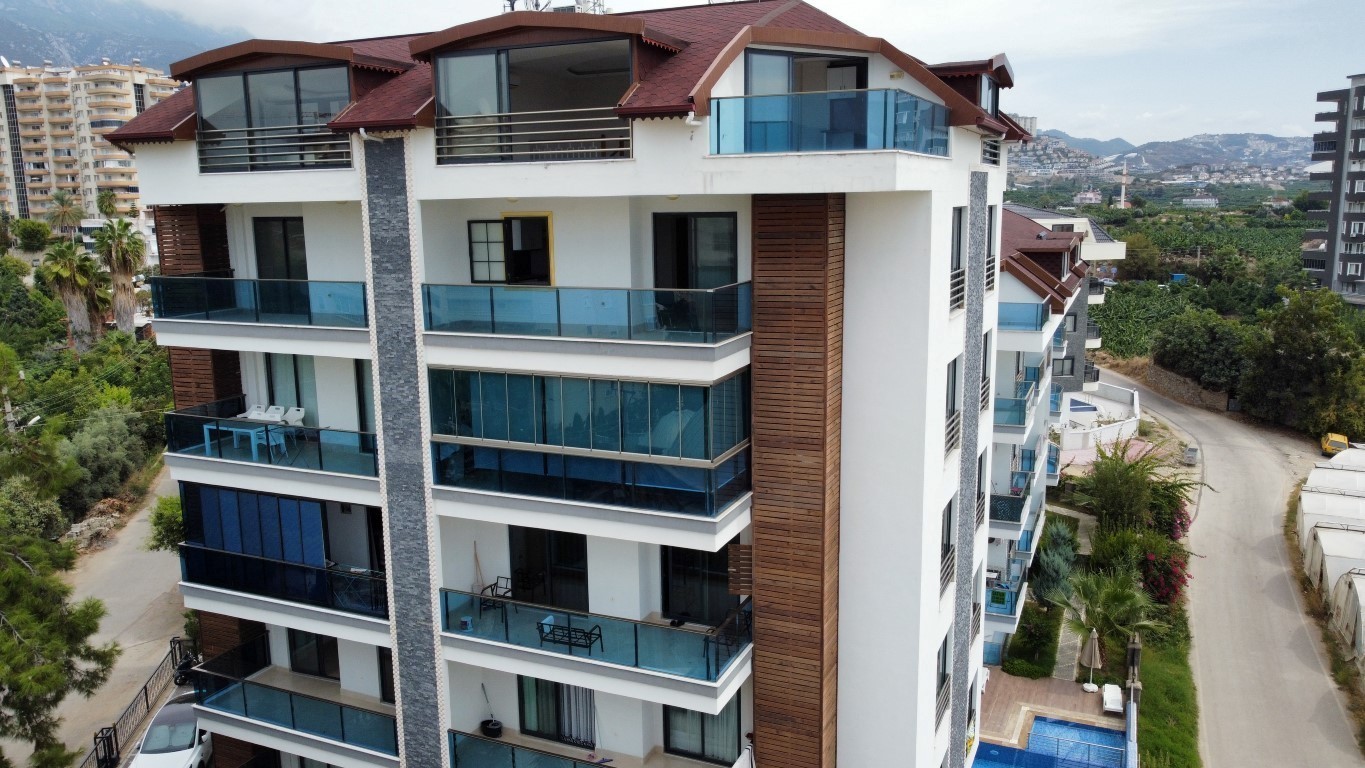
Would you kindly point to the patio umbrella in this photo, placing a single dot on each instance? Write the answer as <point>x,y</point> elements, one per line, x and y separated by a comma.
<point>1090,657</point>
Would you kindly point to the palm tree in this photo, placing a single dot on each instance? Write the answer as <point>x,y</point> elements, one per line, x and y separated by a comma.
<point>121,249</point>
<point>106,203</point>
<point>73,275</point>
<point>64,212</point>
<point>1112,603</point>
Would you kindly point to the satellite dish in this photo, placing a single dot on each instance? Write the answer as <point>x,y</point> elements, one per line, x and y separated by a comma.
<point>4,62</point>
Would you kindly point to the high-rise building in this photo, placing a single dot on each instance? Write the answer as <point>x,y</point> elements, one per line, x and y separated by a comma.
<point>53,121</point>
<point>574,386</point>
<point>1334,253</point>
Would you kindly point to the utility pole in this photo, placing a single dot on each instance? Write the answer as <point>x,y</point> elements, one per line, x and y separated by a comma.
<point>11,423</point>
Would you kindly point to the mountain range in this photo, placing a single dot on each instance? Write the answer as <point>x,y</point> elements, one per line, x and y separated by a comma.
<point>72,32</point>
<point>1206,148</point>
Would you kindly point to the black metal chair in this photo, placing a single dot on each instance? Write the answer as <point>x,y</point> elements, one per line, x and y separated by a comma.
<point>492,596</point>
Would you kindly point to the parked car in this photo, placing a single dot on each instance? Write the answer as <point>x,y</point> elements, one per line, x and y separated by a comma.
<point>1332,444</point>
<point>174,740</point>
<point>1108,282</point>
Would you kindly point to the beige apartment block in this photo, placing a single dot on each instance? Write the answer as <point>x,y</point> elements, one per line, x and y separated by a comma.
<point>52,126</point>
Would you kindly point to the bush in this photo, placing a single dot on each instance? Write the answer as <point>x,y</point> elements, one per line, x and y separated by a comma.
<point>1033,648</point>
<point>106,451</point>
<point>1202,346</point>
<point>1115,551</point>
<point>168,525</point>
<point>1165,569</point>
<point>32,235</point>
<point>24,513</point>
<point>1170,520</point>
<point>1056,559</point>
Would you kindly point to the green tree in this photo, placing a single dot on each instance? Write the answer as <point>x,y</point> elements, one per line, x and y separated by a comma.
<point>1303,366</point>
<point>1302,203</point>
<point>106,203</point>
<point>168,525</point>
<point>1112,603</point>
<point>64,212</point>
<point>122,250</point>
<point>1118,487</point>
<point>72,274</point>
<point>106,452</point>
<point>1201,345</point>
<point>46,645</point>
<point>23,512</point>
<point>1142,260</point>
<point>35,454</point>
<point>6,239</point>
<point>31,234</point>
<point>29,320</point>
<point>1056,559</point>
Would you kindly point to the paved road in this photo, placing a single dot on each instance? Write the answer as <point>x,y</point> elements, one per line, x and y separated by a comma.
<point>1265,695</point>
<point>143,607</point>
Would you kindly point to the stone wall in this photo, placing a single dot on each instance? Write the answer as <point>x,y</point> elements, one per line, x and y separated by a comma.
<point>1185,390</point>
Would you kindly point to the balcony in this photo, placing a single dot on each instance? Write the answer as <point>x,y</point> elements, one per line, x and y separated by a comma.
<point>673,316</point>
<point>683,652</point>
<point>1005,599</point>
<point>272,302</point>
<point>1015,411</point>
<point>947,569</point>
<point>1025,542</point>
<point>1008,508</point>
<point>678,487</point>
<point>828,121</point>
<point>595,133</point>
<point>952,432</point>
<point>1054,400</point>
<point>215,431</point>
<point>992,265</point>
<point>980,509</point>
<point>990,151</point>
<point>338,589</point>
<point>281,148</point>
<point>985,393</point>
<point>957,289</point>
<point>470,751</point>
<point>1092,335</point>
<point>1054,462</point>
<point>945,696</point>
<point>1027,316</point>
<point>1059,342</point>
<point>1090,378</point>
<point>242,683</point>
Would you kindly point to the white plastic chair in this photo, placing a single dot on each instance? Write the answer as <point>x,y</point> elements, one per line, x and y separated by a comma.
<point>274,413</point>
<point>254,412</point>
<point>294,416</point>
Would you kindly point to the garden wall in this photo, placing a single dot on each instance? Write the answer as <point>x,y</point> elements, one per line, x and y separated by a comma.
<point>1185,390</point>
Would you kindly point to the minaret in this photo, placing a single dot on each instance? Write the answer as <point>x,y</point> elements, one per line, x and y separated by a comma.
<point>1123,188</point>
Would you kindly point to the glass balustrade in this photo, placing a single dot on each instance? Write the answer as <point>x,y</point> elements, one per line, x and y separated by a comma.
<point>270,302</point>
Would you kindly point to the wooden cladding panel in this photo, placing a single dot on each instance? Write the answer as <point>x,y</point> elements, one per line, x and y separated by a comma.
<point>201,376</point>
<point>191,239</point>
<point>233,753</point>
<point>797,369</point>
<point>740,570</point>
<point>219,634</point>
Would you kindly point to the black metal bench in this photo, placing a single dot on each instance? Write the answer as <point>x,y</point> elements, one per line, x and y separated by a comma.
<point>571,636</point>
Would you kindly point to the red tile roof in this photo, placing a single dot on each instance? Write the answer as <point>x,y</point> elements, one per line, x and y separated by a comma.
<point>170,119</point>
<point>1020,235</point>
<point>692,39</point>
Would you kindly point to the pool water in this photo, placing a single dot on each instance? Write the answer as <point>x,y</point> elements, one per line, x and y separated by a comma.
<point>1058,744</point>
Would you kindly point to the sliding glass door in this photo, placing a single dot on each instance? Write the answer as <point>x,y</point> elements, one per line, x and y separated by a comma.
<point>549,567</point>
<point>563,713</point>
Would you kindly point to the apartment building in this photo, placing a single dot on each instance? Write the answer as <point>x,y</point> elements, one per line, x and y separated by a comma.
<point>53,121</point>
<point>1334,252</point>
<point>612,378</point>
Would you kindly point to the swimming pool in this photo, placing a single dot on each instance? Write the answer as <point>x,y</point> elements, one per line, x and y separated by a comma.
<point>1056,743</point>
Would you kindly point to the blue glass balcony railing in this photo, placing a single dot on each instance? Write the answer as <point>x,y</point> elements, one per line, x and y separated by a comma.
<point>1003,601</point>
<point>1025,542</point>
<point>828,121</point>
<point>1007,509</point>
<point>697,655</point>
<point>1011,412</point>
<point>645,314</point>
<point>470,751</point>
<point>232,683</point>
<point>1054,459</point>
<point>1015,316</point>
<point>688,490</point>
<point>272,302</point>
<point>361,592</point>
<point>1028,461</point>
<point>1032,373</point>
<point>1054,399</point>
<point>1059,339</point>
<point>213,430</point>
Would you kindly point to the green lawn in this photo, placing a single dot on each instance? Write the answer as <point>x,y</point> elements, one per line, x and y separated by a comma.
<point>1168,717</point>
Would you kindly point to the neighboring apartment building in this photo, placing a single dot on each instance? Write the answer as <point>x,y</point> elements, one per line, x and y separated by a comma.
<point>1334,253</point>
<point>625,384</point>
<point>53,121</point>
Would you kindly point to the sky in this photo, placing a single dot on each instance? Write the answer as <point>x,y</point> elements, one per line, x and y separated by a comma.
<point>1144,70</point>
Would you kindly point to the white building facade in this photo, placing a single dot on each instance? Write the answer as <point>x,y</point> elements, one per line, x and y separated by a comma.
<point>617,382</point>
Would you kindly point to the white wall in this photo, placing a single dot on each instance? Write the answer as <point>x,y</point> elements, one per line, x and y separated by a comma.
<point>336,393</point>
<point>332,233</point>
<point>459,540</point>
<point>359,667</point>
<point>348,535</point>
<point>168,174</point>
<point>617,581</point>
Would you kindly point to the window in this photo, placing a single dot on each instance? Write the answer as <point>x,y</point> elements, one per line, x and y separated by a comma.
<point>1063,227</point>
<point>959,237</point>
<point>313,654</point>
<point>954,396</point>
<point>713,738</point>
<point>990,229</point>
<point>696,585</point>
<point>280,250</point>
<point>291,381</point>
<point>946,543</point>
<point>1070,323</point>
<point>1352,269</point>
<point>986,356</point>
<point>385,674</point>
<point>549,567</point>
<point>695,250</point>
<point>945,661</point>
<point>514,250</point>
<point>257,524</point>
<point>1357,228</point>
<point>990,95</point>
<point>555,711</point>
<point>272,98</point>
<point>1065,366</point>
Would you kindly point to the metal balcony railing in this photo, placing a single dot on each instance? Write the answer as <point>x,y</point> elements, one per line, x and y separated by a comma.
<point>592,133</point>
<point>947,569</point>
<point>990,151</point>
<point>1007,509</point>
<point>985,393</point>
<point>278,148</point>
<point>952,432</point>
<point>1092,330</point>
<point>992,265</point>
<point>976,620</point>
<point>945,695</point>
<point>957,289</point>
<point>1092,373</point>
<point>980,509</point>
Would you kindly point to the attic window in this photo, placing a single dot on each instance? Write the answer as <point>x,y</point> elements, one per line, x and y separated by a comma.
<point>990,95</point>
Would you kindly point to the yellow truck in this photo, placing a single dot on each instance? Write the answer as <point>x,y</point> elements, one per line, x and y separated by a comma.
<point>1332,444</point>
